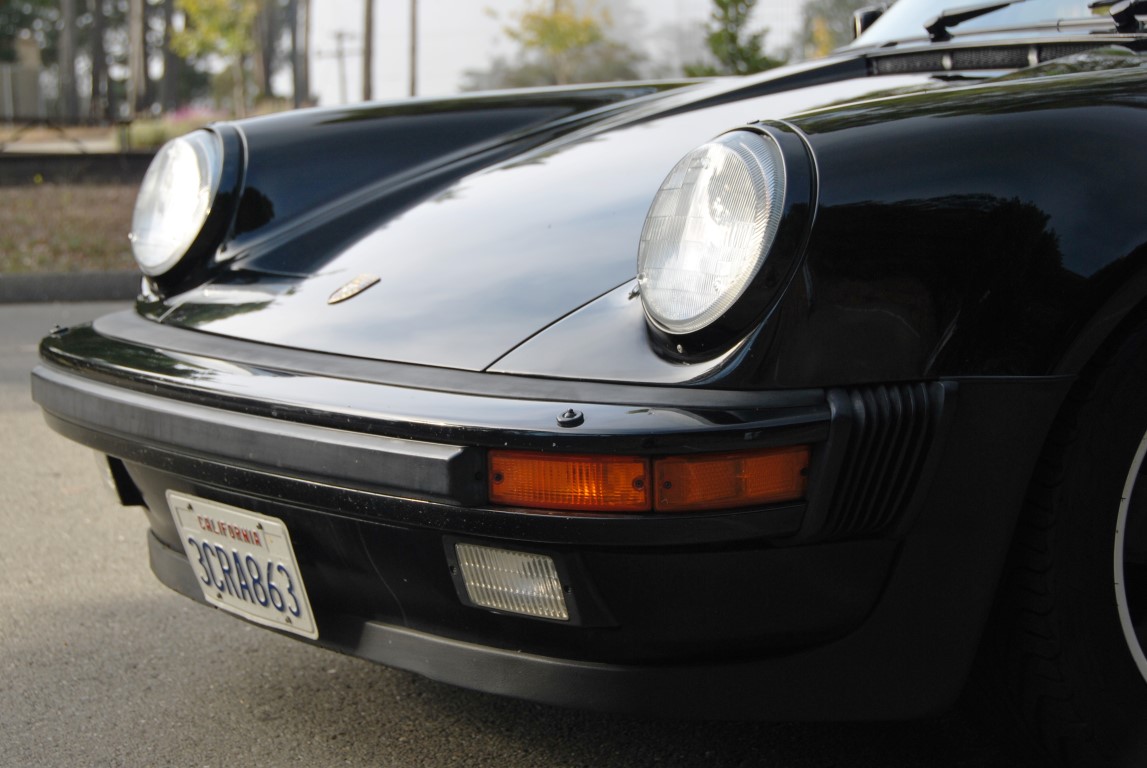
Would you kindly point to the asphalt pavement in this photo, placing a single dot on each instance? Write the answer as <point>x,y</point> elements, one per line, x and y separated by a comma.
<point>120,285</point>
<point>100,665</point>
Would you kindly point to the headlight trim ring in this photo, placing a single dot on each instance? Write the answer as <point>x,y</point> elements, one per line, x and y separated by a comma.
<point>775,265</point>
<point>201,255</point>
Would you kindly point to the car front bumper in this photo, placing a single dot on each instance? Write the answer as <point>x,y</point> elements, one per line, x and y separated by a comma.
<point>866,600</point>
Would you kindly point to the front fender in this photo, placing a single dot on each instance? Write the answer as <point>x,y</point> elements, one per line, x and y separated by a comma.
<point>972,231</point>
<point>986,230</point>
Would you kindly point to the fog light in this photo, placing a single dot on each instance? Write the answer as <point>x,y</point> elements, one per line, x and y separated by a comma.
<point>517,582</point>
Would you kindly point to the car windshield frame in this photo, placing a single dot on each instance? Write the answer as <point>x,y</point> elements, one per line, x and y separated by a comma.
<point>906,19</point>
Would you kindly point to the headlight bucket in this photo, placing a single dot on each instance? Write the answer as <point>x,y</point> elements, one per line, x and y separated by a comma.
<point>186,205</point>
<point>723,237</point>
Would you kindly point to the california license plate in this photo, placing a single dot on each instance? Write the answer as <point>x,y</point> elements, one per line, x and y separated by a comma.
<point>244,563</point>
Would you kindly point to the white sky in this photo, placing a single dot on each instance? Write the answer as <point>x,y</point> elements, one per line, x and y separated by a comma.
<point>456,35</point>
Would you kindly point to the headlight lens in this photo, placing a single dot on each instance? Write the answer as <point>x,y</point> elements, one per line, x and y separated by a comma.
<point>175,200</point>
<point>709,230</point>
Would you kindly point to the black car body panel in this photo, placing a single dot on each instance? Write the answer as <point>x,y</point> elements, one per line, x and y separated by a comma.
<point>403,290</point>
<point>1003,306</point>
<point>573,206</point>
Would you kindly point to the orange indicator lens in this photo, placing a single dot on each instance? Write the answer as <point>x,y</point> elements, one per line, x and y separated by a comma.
<point>569,482</point>
<point>720,481</point>
<point>692,483</point>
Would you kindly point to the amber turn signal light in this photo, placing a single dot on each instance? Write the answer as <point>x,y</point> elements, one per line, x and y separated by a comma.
<point>569,482</point>
<point>725,480</point>
<point>602,483</point>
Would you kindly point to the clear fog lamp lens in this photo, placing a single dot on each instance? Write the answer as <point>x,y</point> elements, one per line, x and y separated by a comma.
<point>517,582</point>
<point>709,230</point>
<point>175,200</point>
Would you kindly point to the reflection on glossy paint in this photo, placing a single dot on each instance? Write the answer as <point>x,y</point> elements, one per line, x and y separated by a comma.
<point>498,255</point>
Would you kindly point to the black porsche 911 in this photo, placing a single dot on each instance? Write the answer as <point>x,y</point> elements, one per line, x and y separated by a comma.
<point>786,397</point>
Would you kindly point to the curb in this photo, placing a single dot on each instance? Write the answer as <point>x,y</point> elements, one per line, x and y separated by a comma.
<point>24,168</point>
<point>73,286</point>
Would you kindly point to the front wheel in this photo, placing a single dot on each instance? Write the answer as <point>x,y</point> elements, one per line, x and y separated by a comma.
<point>1070,626</point>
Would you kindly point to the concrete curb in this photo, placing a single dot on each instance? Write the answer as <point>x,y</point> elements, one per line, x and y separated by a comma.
<point>73,286</point>
<point>17,168</point>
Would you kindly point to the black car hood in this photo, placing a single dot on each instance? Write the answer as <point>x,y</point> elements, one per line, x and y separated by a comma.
<point>476,268</point>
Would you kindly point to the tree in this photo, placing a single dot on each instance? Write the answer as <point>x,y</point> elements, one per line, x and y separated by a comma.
<point>137,57</point>
<point>127,39</point>
<point>559,44</point>
<point>297,21</point>
<point>35,19</point>
<point>223,28</point>
<point>270,26</point>
<point>172,63</point>
<point>101,40</point>
<point>100,107</point>
<point>69,97</point>
<point>735,51</point>
<point>827,25</point>
<point>561,34</point>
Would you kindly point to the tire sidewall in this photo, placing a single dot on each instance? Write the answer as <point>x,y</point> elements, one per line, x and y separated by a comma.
<point>1097,664</point>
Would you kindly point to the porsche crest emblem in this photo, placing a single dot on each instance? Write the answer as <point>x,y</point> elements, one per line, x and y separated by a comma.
<point>353,288</point>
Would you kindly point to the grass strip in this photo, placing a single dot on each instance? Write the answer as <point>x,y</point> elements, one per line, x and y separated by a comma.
<point>65,228</point>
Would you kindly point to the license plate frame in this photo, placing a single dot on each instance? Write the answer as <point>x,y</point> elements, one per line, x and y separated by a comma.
<point>244,563</point>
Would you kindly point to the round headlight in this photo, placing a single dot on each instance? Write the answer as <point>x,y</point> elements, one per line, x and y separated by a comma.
<point>175,200</point>
<point>709,230</point>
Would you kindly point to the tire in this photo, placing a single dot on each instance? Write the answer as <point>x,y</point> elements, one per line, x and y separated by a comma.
<point>1069,630</point>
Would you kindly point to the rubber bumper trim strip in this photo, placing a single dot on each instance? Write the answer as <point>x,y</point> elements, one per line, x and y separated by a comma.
<point>384,464</point>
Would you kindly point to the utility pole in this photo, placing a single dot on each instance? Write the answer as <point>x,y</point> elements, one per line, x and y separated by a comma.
<point>368,50</point>
<point>413,47</point>
<point>293,30</point>
<point>305,68</point>
<point>340,54</point>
